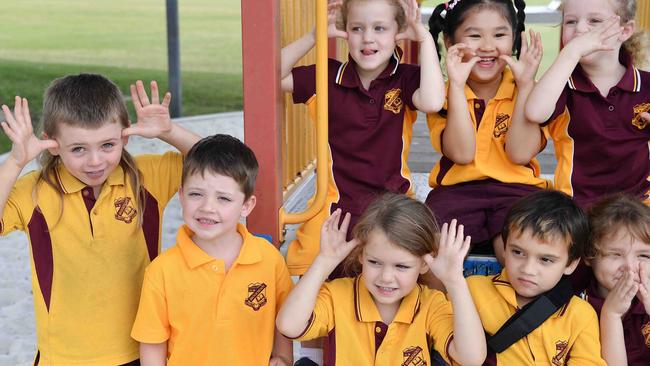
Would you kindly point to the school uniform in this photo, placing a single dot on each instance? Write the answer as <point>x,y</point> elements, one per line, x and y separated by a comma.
<point>636,326</point>
<point>209,316</point>
<point>88,260</point>
<point>601,142</point>
<point>568,337</point>
<point>369,139</point>
<point>346,314</point>
<point>480,193</point>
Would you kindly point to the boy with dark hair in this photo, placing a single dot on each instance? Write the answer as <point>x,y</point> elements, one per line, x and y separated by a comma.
<point>528,311</point>
<point>213,298</point>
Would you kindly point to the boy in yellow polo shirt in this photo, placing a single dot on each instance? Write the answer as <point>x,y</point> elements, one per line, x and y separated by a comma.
<point>528,311</point>
<point>212,299</point>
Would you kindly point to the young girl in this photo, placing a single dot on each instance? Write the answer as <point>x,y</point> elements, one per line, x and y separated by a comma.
<point>372,103</point>
<point>383,316</point>
<point>92,213</point>
<point>475,181</point>
<point>619,291</point>
<point>599,119</point>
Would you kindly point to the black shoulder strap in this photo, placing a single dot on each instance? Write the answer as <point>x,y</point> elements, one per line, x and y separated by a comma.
<point>531,316</point>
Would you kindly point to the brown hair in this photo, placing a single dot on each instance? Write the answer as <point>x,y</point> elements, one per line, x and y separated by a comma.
<point>614,213</point>
<point>400,16</point>
<point>88,101</point>
<point>407,223</point>
<point>225,155</point>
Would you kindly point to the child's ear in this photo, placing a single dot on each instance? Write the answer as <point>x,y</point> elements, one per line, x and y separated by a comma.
<point>628,31</point>
<point>447,40</point>
<point>572,266</point>
<point>125,140</point>
<point>424,267</point>
<point>248,206</point>
<point>53,150</point>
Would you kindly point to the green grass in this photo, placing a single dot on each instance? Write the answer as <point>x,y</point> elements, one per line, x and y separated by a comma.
<point>125,40</point>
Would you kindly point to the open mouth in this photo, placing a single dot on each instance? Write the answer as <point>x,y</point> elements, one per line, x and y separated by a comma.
<point>487,61</point>
<point>206,222</point>
<point>368,52</point>
<point>386,291</point>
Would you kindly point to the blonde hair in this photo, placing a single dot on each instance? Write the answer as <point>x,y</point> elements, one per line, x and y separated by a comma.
<point>88,101</point>
<point>400,16</point>
<point>407,223</point>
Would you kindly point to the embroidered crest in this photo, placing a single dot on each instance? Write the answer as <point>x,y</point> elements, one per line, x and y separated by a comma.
<point>124,210</point>
<point>413,357</point>
<point>393,100</point>
<point>646,333</point>
<point>256,296</point>
<point>637,121</point>
<point>561,350</point>
<point>500,125</point>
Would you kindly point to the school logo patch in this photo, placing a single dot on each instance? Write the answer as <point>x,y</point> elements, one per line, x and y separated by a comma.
<point>646,333</point>
<point>413,356</point>
<point>256,296</point>
<point>393,100</point>
<point>561,350</point>
<point>637,121</point>
<point>124,210</point>
<point>500,125</point>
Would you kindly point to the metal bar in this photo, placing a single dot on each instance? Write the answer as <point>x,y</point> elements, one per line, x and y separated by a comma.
<point>174,60</point>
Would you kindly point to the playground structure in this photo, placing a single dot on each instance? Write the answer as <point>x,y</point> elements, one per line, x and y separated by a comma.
<point>286,142</point>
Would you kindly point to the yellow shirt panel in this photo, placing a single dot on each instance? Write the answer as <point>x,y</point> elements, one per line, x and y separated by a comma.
<point>208,316</point>
<point>87,270</point>
<point>568,337</point>
<point>490,160</point>
<point>346,313</point>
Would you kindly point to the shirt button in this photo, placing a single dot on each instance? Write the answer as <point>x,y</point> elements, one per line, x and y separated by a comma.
<point>95,212</point>
<point>215,267</point>
<point>611,108</point>
<point>372,101</point>
<point>477,105</point>
<point>378,330</point>
<point>85,193</point>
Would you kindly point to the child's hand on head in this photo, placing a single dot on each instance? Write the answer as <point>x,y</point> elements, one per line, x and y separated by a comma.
<point>153,117</point>
<point>620,298</point>
<point>447,265</point>
<point>18,127</point>
<point>333,245</point>
<point>525,68</point>
<point>415,30</point>
<point>460,60</point>
<point>598,38</point>
<point>333,10</point>
<point>644,285</point>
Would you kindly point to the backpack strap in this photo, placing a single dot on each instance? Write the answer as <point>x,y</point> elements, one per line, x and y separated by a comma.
<point>531,316</point>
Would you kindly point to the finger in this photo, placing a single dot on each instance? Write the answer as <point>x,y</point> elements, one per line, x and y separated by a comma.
<point>132,130</point>
<point>9,118</point>
<point>167,100</point>
<point>10,133</point>
<point>509,60</point>
<point>155,98</point>
<point>27,118</point>
<point>443,234</point>
<point>459,235</point>
<point>346,222</point>
<point>48,144</point>
<point>645,116</point>
<point>18,111</point>
<point>134,98</point>
<point>451,235</point>
<point>464,249</point>
<point>142,94</point>
<point>524,42</point>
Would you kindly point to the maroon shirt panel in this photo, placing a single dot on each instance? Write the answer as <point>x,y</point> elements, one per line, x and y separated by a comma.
<point>39,235</point>
<point>365,138</point>
<point>610,154</point>
<point>636,346</point>
<point>151,224</point>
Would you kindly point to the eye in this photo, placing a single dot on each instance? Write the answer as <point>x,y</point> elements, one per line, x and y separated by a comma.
<point>380,28</point>
<point>547,260</point>
<point>77,149</point>
<point>373,262</point>
<point>644,256</point>
<point>474,36</point>
<point>355,29</point>
<point>403,267</point>
<point>224,198</point>
<point>570,22</point>
<point>194,194</point>
<point>108,146</point>
<point>501,35</point>
<point>595,20</point>
<point>517,252</point>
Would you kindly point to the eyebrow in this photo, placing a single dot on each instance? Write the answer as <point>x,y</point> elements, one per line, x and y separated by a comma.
<point>476,29</point>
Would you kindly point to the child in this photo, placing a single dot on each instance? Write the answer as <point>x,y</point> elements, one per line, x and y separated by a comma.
<point>599,119</point>
<point>475,181</point>
<point>620,288</point>
<point>383,316</point>
<point>372,103</point>
<point>545,235</point>
<point>92,213</point>
<point>212,299</point>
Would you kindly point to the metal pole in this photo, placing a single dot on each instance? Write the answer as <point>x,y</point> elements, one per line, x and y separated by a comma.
<point>174,59</point>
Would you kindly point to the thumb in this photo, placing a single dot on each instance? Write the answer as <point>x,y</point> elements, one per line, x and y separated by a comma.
<point>508,59</point>
<point>132,130</point>
<point>48,144</point>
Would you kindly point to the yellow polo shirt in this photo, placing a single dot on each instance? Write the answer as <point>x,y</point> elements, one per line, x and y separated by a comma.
<point>87,269</point>
<point>209,316</point>
<point>356,335</point>
<point>568,337</point>
<point>490,160</point>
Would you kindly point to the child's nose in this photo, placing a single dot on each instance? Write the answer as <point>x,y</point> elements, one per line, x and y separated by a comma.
<point>367,36</point>
<point>387,273</point>
<point>94,158</point>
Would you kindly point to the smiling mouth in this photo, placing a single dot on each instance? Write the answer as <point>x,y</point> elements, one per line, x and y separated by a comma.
<point>487,61</point>
<point>368,52</point>
<point>95,174</point>
<point>206,221</point>
<point>386,291</point>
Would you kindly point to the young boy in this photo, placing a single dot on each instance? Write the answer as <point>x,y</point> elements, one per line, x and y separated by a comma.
<point>619,289</point>
<point>545,235</point>
<point>212,299</point>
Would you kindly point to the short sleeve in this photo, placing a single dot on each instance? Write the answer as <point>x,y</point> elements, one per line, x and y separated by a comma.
<point>322,319</point>
<point>560,107</point>
<point>410,83</point>
<point>437,122</point>
<point>586,348</point>
<point>20,205</point>
<point>304,83</point>
<point>152,320</point>
<point>162,174</point>
<point>440,324</point>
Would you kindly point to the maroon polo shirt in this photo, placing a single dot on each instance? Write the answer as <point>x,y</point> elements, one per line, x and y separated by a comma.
<point>601,143</point>
<point>369,130</point>
<point>636,327</point>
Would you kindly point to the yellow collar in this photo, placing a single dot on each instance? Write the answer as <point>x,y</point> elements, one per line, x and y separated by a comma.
<point>195,256</point>
<point>366,310</point>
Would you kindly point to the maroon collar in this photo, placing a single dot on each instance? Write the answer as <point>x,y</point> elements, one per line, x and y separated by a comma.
<point>347,73</point>
<point>631,80</point>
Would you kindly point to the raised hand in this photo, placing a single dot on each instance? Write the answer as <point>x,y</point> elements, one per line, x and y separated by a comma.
<point>415,30</point>
<point>333,9</point>
<point>460,60</point>
<point>153,117</point>
<point>18,127</point>
<point>333,245</point>
<point>525,69</point>
<point>620,298</point>
<point>598,38</point>
<point>644,286</point>
<point>447,265</point>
